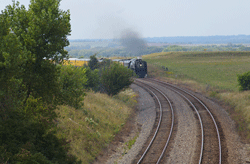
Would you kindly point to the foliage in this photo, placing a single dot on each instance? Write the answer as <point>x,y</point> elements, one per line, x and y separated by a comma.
<point>244,81</point>
<point>27,135</point>
<point>174,48</point>
<point>93,79</point>
<point>29,90</point>
<point>105,63</point>
<point>72,81</point>
<point>93,63</point>
<point>115,78</point>
<point>41,31</point>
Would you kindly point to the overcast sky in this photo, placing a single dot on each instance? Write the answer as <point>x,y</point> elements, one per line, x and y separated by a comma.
<point>95,19</point>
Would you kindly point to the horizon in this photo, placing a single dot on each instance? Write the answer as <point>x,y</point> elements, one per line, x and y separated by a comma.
<point>161,37</point>
<point>165,37</point>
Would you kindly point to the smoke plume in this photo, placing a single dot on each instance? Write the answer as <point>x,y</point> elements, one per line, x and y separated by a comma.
<point>132,42</point>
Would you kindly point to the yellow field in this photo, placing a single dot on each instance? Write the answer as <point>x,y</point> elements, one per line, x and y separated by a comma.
<point>77,62</point>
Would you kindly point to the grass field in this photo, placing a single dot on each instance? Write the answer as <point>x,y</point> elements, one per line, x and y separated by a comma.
<point>216,69</point>
<point>212,73</point>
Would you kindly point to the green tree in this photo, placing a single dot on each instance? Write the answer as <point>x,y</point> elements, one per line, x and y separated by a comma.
<point>244,81</point>
<point>115,78</point>
<point>42,30</point>
<point>93,79</point>
<point>72,81</point>
<point>93,63</point>
<point>29,88</point>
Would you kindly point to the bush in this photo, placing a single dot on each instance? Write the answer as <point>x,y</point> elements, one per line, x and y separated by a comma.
<point>115,78</point>
<point>72,81</point>
<point>93,79</point>
<point>93,63</point>
<point>244,81</point>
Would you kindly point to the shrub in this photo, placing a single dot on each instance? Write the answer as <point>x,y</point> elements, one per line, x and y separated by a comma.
<point>72,81</point>
<point>244,81</point>
<point>93,63</point>
<point>93,79</point>
<point>115,78</point>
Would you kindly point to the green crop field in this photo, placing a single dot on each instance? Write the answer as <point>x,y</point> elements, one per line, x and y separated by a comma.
<point>216,69</point>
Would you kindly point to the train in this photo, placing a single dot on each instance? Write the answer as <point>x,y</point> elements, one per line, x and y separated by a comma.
<point>137,64</point>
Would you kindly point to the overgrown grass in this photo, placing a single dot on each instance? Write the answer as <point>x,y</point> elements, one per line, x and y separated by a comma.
<point>93,127</point>
<point>213,73</point>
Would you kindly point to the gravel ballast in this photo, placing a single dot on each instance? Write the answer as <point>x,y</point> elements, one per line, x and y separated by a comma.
<point>185,139</point>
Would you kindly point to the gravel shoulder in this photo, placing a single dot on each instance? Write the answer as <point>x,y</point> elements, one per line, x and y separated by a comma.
<point>139,125</point>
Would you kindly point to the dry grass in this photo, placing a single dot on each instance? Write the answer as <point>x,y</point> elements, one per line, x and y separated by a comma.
<point>241,103</point>
<point>91,128</point>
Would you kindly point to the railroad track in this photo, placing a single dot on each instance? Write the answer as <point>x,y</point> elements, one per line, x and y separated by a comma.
<point>154,150</point>
<point>209,148</point>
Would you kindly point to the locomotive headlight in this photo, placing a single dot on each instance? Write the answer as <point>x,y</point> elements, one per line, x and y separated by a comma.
<point>140,65</point>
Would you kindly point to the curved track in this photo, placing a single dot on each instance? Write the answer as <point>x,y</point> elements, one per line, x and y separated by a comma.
<point>210,150</point>
<point>154,150</point>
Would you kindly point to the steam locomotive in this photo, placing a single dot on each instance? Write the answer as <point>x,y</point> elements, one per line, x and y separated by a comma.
<point>137,65</point>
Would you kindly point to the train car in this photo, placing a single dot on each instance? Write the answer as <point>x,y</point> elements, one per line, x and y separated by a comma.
<point>137,65</point>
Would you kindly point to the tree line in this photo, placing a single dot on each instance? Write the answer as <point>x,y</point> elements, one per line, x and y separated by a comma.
<point>114,52</point>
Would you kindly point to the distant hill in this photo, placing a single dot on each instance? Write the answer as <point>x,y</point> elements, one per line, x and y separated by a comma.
<point>218,39</point>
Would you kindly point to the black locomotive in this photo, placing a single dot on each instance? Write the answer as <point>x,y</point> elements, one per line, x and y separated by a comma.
<point>137,65</point>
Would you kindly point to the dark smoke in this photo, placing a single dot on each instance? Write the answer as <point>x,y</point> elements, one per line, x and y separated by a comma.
<point>132,42</point>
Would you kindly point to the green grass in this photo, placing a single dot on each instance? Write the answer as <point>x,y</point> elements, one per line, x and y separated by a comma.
<point>217,69</point>
<point>93,127</point>
<point>131,142</point>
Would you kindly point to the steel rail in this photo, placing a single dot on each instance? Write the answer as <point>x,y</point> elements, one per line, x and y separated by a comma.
<point>172,124</point>
<point>159,123</point>
<point>201,124</point>
<point>171,129</point>
<point>211,115</point>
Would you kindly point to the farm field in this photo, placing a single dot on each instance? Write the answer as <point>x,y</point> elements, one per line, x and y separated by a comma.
<point>215,69</point>
<point>212,73</point>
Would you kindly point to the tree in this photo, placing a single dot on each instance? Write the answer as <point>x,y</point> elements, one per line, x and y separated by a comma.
<point>72,83</point>
<point>244,81</point>
<point>93,63</point>
<point>42,30</point>
<point>115,78</point>
<point>29,88</point>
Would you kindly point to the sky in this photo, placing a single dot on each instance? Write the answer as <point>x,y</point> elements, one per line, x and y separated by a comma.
<point>107,19</point>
